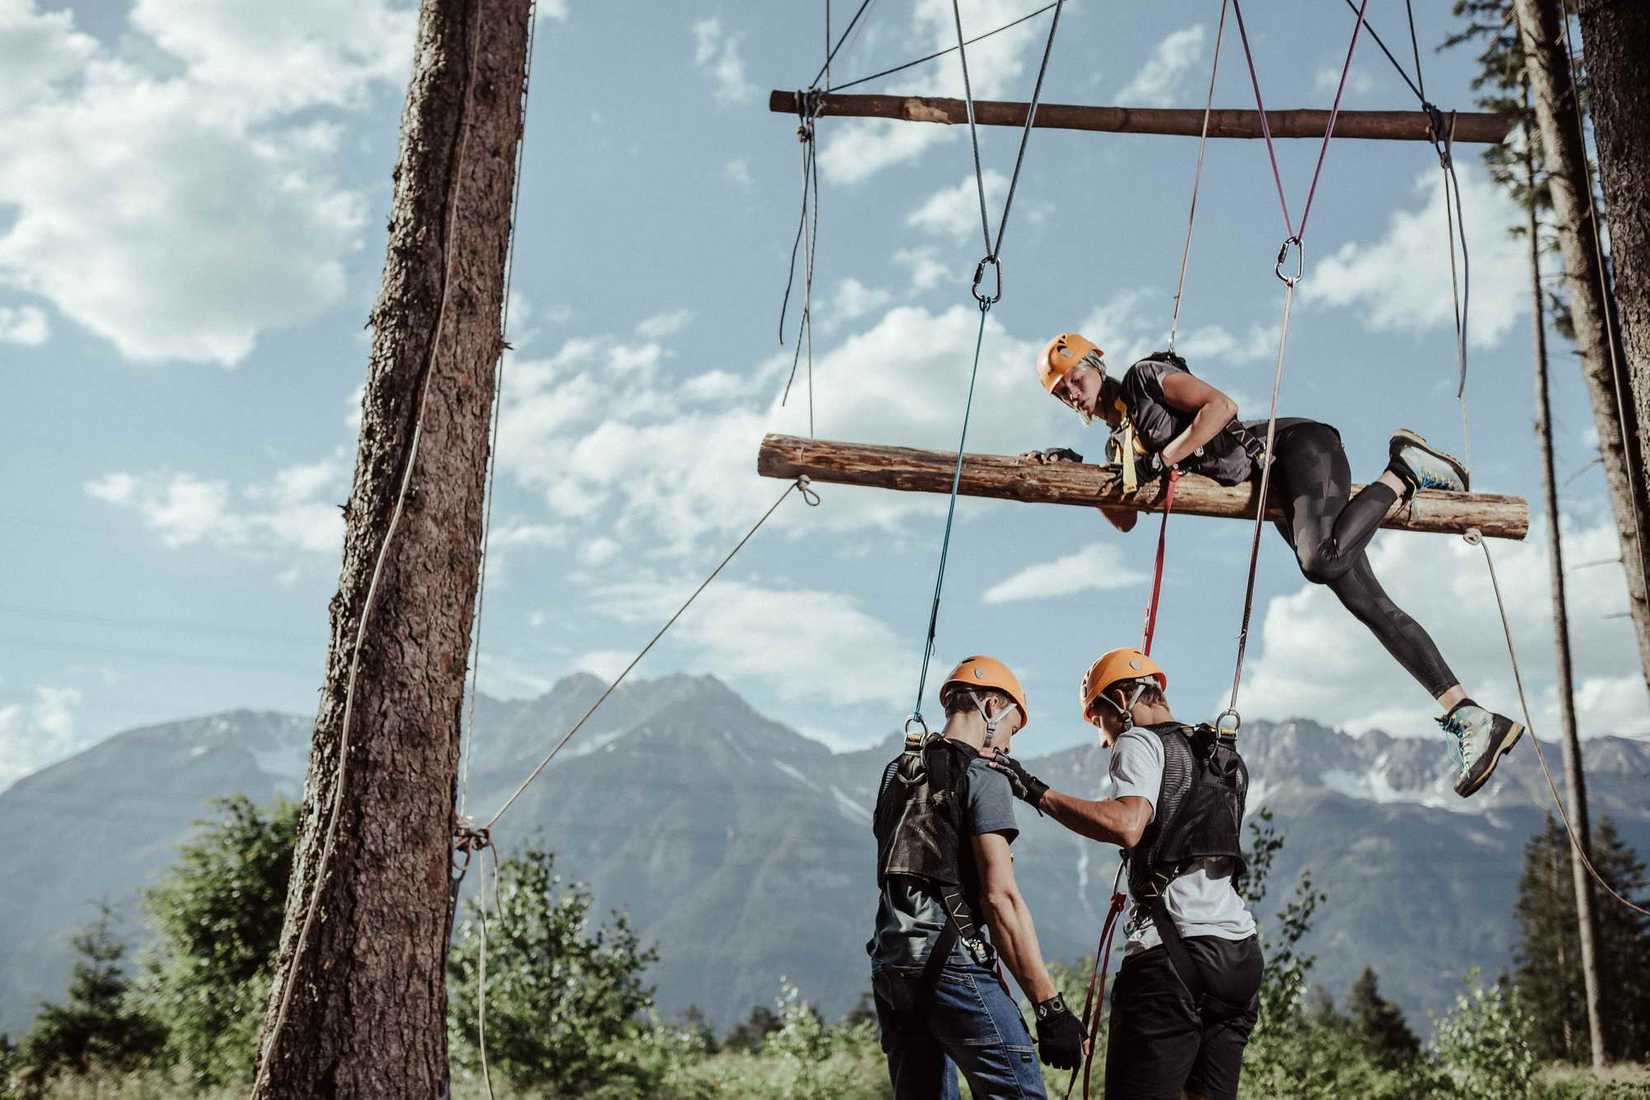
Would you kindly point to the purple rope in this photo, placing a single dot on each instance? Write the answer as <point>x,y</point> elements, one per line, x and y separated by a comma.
<point>1265,126</point>
<point>1334,113</point>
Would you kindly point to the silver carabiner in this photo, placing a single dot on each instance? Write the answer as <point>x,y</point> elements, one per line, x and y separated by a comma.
<point>1237,722</point>
<point>1283,255</point>
<point>986,301</point>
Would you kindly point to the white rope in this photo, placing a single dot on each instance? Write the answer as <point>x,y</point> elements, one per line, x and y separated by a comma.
<point>330,839</point>
<point>1475,537</point>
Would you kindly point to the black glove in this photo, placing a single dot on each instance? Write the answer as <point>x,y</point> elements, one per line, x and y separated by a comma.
<point>1059,1034</point>
<point>1051,455</point>
<point>1027,787</point>
<point>1151,466</point>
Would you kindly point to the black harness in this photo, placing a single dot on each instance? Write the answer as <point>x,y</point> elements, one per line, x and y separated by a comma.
<point>1198,816</point>
<point>922,834</point>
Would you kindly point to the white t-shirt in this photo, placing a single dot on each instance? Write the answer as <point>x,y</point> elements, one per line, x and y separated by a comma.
<point>1201,902</point>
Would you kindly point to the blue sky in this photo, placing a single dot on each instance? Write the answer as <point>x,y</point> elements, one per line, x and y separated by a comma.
<point>191,203</point>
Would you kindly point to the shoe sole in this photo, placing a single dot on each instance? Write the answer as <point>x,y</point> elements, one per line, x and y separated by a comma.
<point>1443,456</point>
<point>1471,785</point>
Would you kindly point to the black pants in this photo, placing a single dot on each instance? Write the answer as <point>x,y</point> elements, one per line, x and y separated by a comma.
<point>1329,533</point>
<point>1162,1044</point>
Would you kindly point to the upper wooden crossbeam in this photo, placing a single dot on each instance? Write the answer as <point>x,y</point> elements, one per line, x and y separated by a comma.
<point>1469,127</point>
<point>1008,478</point>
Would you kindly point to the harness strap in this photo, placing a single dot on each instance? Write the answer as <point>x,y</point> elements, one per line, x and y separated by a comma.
<point>1157,572</point>
<point>1175,947</point>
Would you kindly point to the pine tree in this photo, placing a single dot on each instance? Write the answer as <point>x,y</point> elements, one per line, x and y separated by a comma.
<point>1379,1024</point>
<point>95,1026</point>
<point>1548,971</point>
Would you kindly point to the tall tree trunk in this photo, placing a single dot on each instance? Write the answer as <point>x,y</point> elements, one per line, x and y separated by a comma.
<point>1621,446</point>
<point>367,1014</point>
<point>1617,42</point>
<point>1586,920</point>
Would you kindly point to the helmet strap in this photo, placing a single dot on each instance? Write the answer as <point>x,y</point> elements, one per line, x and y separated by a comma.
<point>991,723</point>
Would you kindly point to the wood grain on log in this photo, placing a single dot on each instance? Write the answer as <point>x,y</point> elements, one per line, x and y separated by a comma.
<point>1005,477</point>
<point>1471,127</point>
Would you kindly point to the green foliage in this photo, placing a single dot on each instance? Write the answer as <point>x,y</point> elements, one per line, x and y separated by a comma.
<point>1549,975</point>
<point>564,1000</point>
<point>749,1034</point>
<point>217,920</point>
<point>1485,1043</point>
<point>96,1026</point>
<point>1379,1025</point>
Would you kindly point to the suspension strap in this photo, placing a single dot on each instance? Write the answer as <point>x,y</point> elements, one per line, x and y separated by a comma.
<point>1094,1005</point>
<point>1157,570</point>
<point>1293,242</point>
<point>1197,177</point>
<point>985,299</point>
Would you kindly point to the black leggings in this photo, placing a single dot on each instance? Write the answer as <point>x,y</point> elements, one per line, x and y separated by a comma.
<point>1329,533</point>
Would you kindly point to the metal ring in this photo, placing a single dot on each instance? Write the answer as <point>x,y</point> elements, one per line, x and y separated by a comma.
<point>918,719</point>
<point>1237,721</point>
<point>987,300</point>
<point>1283,254</point>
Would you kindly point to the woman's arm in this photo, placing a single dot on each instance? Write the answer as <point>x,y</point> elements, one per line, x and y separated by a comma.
<point>1214,410</point>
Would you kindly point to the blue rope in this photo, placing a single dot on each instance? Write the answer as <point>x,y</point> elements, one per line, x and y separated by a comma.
<point>950,516</point>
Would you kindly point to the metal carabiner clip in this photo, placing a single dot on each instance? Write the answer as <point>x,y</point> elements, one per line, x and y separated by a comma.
<point>1283,255</point>
<point>987,301</point>
<point>1221,730</point>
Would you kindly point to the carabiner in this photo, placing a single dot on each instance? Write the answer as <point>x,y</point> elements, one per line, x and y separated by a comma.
<point>1237,722</point>
<point>987,301</point>
<point>1283,254</point>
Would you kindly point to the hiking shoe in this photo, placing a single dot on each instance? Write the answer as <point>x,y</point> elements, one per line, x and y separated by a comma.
<point>1420,465</point>
<point>1482,737</point>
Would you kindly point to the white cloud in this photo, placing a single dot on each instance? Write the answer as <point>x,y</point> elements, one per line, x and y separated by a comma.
<point>1213,342</point>
<point>1358,82</point>
<point>1401,282</point>
<point>25,325</point>
<point>716,52</point>
<point>713,386</point>
<point>599,551</point>
<point>955,211</point>
<point>1097,568</point>
<point>604,664</point>
<point>180,206</point>
<point>926,269</point>
<point>661,325</point>
<point>767,634</point>
<point>1159,78</point>
<point>738,173</point>
<point>553,9</point>
<point>296,510</point>
<point>38,732</point>
<point>852,300</point>
<point>853,150</point>
<point>1317,660</point>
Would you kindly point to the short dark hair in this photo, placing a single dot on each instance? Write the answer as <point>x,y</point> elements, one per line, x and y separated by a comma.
<point>956,699</point>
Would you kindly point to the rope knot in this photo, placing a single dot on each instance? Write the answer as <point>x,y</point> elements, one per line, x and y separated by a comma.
<point>804,486</point>
<point>469,839</point>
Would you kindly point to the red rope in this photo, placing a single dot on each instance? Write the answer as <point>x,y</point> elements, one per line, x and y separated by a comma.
<point>1157,574</point>
<point>1092,1004</point>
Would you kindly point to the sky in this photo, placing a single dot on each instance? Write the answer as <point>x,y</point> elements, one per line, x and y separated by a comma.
<point>192,197</point>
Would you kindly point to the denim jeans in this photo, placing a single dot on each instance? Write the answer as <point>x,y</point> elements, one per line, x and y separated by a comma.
<point>972,1024</point>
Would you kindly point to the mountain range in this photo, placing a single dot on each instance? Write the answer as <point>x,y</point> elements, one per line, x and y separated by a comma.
<point>742,850</point>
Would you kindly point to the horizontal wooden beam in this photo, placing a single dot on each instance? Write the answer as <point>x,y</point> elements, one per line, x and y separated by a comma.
<point>1077,483</point>
<point>1472,127</point>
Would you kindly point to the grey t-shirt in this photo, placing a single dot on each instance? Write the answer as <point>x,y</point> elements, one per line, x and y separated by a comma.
<point>909,918</point>
<point>1201,902</point>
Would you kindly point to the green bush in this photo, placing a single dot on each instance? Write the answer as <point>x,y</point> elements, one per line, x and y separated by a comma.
<point>1485,1043</point>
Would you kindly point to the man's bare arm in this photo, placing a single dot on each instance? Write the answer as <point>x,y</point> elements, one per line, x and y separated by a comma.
<point>1117,821</point>
<point>1009,918</point>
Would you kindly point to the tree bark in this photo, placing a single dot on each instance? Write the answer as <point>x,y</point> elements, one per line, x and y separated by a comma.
<point>1564,155</point>
<point>367,1015</point>
<point>1224,122</point>
<point>1084,485</point>
<point>1617,42</point>
<point>1586,920</point>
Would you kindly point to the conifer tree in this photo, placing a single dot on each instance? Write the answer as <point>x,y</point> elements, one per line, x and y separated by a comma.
<point>1379,1024</point>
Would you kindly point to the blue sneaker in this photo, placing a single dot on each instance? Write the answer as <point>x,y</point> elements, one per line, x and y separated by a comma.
<point>1420,465</point>
<point>1483,738</point>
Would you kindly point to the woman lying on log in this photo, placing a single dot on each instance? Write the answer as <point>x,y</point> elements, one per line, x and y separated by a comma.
<point>1162,417</point>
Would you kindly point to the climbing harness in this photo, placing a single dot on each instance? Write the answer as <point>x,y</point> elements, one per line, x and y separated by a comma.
<point>985,300</point>
<point>1293,242</point>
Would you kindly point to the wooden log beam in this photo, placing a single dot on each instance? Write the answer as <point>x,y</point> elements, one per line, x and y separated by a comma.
<point>1471,127</point>
<point>1005,477</point>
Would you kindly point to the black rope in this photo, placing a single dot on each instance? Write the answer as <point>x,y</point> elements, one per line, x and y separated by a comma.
<point>852,23</point>
<point>1396,64</point>
<point>941,53</point>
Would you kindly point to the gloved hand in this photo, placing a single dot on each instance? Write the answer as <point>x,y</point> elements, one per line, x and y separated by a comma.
<point>1027,787</point>
<point>1051,455</point>
<point>1059,1034</point>
<point>1151,466</point>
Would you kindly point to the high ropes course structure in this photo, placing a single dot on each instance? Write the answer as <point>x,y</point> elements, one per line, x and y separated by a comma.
<point>804,462</point>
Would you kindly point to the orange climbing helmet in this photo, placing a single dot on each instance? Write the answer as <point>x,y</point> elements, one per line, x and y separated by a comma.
<point>987,672</point>
<point>1117,666</point>
<point>1064,352</point>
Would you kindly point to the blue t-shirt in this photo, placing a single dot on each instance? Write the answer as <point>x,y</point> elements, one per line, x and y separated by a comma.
<point>910,918</point>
